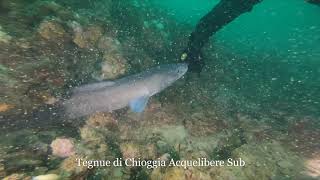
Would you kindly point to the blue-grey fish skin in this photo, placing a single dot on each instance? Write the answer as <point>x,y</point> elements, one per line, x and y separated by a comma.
<point>112,95</point>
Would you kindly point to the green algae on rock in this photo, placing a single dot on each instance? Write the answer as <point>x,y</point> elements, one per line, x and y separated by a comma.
<point>86,38</point>
<point>4,37</point>
<point>52,30</point>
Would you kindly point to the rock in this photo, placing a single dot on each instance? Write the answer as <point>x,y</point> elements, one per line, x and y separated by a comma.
<point>5,107</point>
<point>149,151</point>
<point>44,96</point>
<point>50,100</point>
<point>103,120</point>
<point>113,66</point>
<point>195,174</point>
<point>4,37</point>
<point>71,168</point>
<point>130,150</point>
<point>163,147</point>
<point>40,148</point>
<point>285,164</point>
<point>109,44</point>
<point>113,62</point>
<point>173,135</point>
<point>47,177</point>
<point>139,58</point>
<point>23,43</point>
<point>155,40</point>
<point>21,161</point>
<point>90,135</point>
<point>165,157</point>
<point>199,154</point>
<point>48,8</point>
<point>116,173</point>
<point>174,173</point>
<point>265,160</point>
<point>200,126</point>
<point>86,37</point>
<point>40,170</point>
<point>200,146</point>
<point>94,136</point>
<point>230,173</point>
<point>313,167</point>
<point>51,30</point>
<point>62,147</point>
<point>17,177</point>
<point>2,171</point>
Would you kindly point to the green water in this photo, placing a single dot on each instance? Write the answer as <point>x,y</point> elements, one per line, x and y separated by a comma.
<point>277,43</point>
<point>288,29</point>
<point>256,100</point>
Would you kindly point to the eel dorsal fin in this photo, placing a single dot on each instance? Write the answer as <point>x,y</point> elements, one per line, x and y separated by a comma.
<point>92,87</point>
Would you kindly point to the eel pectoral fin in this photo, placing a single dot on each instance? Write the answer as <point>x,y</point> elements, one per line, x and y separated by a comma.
<point>138,104</point>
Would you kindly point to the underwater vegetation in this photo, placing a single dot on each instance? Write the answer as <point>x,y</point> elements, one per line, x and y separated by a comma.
<point>256,100</point>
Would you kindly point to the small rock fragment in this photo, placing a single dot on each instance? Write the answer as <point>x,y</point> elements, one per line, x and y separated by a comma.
<point>5,107</point>
<point>62,147</point>
<point>113,66</point>
<point>47,177</point>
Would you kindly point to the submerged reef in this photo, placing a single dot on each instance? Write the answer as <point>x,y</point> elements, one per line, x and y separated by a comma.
<point>49,47</point>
